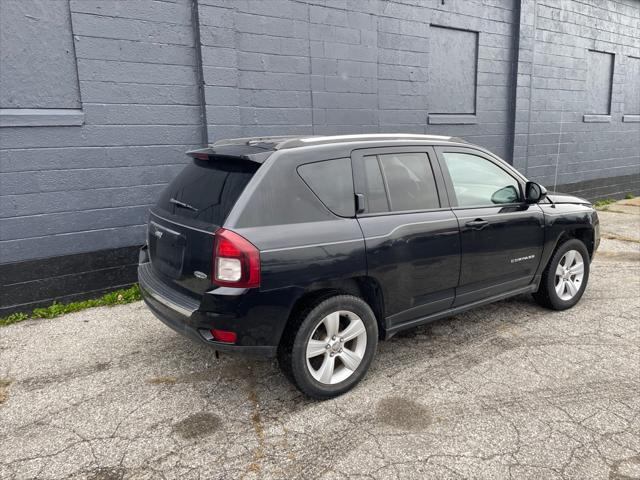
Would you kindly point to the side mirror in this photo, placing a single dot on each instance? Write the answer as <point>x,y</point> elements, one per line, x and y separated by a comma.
<point>534,192</point>
<point>505,195</point>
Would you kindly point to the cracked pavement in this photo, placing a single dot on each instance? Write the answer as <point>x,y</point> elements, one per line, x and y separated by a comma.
<point>505,391</point>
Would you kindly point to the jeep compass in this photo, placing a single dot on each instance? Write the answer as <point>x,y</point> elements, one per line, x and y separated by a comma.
<point>312,249</point>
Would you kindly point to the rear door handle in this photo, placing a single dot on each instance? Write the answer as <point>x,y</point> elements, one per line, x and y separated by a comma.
<point>477,224</point>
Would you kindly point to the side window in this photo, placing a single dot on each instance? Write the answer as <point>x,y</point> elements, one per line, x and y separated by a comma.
<point>410,181</point>
<point>332,182</point>
<point>479,182</point>
<point>375,192</point>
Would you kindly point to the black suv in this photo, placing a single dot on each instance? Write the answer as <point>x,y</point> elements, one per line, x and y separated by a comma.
<point>312,249</point>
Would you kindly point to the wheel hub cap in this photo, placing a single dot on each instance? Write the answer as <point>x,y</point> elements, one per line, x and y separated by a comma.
<point>335,346</point>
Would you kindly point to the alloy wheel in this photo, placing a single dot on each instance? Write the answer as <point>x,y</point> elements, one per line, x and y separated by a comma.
<point>569,275</point>
<point>336,347</point>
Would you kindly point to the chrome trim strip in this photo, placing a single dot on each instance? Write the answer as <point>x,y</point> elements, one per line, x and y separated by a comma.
<point>161,227</point>
<point>181,224</point>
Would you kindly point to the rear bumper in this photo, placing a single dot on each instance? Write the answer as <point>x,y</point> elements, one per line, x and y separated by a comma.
<point>183,314</point>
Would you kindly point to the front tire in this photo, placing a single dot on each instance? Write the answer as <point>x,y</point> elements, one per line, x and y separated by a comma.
<point>565,278</point>
<point>329,346</point>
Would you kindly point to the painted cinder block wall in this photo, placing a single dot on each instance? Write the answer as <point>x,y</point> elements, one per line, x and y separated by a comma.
<point>368,66</point>
<point>578,96</point>
<point>99,100</point>
<point>75,188</point>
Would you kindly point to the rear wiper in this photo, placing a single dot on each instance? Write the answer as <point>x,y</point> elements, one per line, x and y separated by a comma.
<point>180,204</point>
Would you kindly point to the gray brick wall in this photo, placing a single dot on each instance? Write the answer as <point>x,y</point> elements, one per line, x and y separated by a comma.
<point>298,66</point>
<point>71,189</point>
<point>323,67</point>
<point>553,143</point>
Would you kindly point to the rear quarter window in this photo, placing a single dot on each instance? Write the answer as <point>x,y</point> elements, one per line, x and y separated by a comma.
<point>332,183</point>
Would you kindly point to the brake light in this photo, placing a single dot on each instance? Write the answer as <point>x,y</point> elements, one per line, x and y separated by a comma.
<point>236,261</point>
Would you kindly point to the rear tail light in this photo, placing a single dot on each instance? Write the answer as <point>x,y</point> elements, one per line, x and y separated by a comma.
<point>236,262</point>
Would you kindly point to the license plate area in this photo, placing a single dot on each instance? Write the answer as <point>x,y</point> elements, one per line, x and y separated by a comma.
<point>166,247</point>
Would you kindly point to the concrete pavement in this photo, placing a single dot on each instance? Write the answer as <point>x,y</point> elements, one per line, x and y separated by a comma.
<point>506,391</point>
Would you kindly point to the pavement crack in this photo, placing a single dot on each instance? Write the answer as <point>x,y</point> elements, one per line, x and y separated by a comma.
<point>258,426</point>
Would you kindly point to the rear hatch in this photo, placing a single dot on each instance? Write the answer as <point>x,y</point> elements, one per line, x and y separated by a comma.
<point>183,222</point>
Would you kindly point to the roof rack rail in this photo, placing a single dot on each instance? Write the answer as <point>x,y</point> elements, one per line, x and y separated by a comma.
<point>281,142</point>
<point>305,141</point>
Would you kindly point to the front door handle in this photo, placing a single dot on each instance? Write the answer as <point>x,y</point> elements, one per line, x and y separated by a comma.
<point>477,224</point>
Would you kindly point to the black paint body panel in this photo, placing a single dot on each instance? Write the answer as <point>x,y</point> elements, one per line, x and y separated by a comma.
<point>512,241</point>
<point>563,218</point>
<point>416,259</point>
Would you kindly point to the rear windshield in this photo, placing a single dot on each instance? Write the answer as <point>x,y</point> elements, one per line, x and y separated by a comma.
<point>206,190</point>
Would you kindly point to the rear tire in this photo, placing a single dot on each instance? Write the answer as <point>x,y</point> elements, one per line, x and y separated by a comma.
<point>329,346</point>
<point>565,277</point>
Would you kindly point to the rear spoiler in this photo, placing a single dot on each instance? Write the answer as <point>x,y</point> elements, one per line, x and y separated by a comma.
<point>231,152</point>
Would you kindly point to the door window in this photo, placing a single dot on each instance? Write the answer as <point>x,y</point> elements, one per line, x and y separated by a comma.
<point>398,182</point>
<point>479,182</point>
<point>410,181</point>
<point>376,193</point>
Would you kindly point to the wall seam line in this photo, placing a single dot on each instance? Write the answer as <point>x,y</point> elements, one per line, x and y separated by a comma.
<point>533,65</point>
<point>75,56</point>
<point>515,58</point>
<point>197,45</point>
